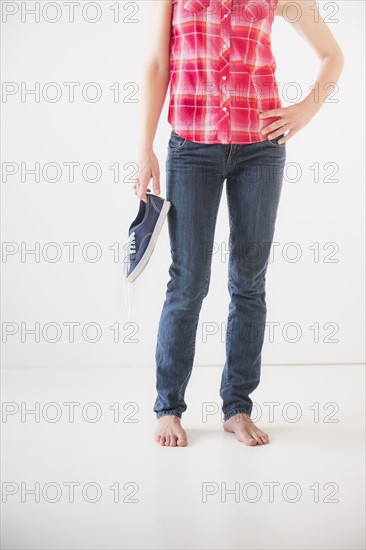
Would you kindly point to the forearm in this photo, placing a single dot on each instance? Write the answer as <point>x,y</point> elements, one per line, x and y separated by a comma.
<point>155,86</point>
<point>329,73</point>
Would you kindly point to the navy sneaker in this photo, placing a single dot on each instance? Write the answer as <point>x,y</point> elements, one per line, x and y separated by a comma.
<point>142,235</point>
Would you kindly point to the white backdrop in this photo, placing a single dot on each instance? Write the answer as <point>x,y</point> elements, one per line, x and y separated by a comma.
<point>59,310</point>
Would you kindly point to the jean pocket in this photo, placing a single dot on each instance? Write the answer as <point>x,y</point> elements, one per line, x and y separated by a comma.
<point>274,141</point>
<point>176,142</point>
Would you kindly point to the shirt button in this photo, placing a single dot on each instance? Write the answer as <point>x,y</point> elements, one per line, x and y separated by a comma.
<point>224,78</point>
<point>224,108</point>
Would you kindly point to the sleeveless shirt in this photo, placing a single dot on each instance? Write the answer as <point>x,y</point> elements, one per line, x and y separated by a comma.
<point>222,70</point>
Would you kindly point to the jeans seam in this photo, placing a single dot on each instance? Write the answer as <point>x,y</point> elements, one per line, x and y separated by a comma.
<point>213,235</point>
<point>173,412</point>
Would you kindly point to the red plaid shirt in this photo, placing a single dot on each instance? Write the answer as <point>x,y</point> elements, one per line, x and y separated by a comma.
<point>222,70</point>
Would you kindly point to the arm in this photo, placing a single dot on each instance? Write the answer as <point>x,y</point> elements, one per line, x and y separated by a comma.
<point>312,28</point>
<point>156,78</point>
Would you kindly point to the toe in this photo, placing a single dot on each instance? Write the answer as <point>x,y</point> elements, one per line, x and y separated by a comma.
<point>162,440</point>
<point>257,437</point>
<point>247,439</point>
<point>173,441</point>
<point>250,441</point>
<point>167,441</point>
<point>182,440</point>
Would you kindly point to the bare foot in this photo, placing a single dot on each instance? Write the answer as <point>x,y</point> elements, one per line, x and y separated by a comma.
<point>245,430</point>
<point>170,432</point>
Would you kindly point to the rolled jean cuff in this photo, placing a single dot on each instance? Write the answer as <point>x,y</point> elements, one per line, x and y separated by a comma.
<point>233,412</point>
<point>171,413</point>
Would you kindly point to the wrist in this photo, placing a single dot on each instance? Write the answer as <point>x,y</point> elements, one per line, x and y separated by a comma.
<point>312,106</point>
<point>144,148</point>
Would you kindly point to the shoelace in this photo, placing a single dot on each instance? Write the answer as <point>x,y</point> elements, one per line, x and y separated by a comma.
<point>129,250</point>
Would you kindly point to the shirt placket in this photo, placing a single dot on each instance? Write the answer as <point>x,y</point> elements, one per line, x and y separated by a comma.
<point>224,133</point>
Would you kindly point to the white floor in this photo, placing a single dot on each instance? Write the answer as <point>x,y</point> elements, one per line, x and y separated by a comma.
<point>305,490</point>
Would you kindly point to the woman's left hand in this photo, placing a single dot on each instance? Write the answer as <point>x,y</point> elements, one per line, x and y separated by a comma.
<point>292,118</point>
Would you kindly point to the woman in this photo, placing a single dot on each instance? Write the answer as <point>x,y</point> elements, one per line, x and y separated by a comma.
<point>228,125</point>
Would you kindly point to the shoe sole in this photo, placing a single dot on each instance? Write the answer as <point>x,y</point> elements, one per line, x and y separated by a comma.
<point>150,247</point>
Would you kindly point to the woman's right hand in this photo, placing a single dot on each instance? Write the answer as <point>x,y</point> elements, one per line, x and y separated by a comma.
<point>148,165</point>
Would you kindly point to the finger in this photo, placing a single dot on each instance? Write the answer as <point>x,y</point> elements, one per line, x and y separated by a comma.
<point>287,136</point>
<point>156,185</point>
<point>282,140</point>
<point>277,133</point>
<point>143,197</point>
<point>274,127</point>
<point>271,113</point>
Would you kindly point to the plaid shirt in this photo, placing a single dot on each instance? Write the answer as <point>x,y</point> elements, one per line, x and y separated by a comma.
<point>222,70</point>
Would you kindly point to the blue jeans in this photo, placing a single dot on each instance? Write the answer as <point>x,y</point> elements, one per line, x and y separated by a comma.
<point>195,173</point>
